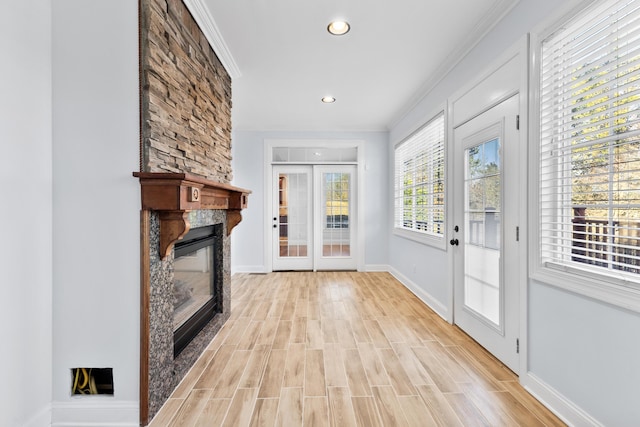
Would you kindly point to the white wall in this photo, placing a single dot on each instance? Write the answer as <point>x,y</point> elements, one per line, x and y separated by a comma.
<point>96,207</point>
<point>587,351</point>
<point>25,189</point>
<point>247,247</point>
<point>583,355</point>
<point>421,268</point>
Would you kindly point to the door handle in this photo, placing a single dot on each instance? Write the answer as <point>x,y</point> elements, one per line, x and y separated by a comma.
<point>454,242</point>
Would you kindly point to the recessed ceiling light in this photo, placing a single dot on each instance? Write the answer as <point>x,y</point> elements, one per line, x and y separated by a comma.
<point>328,99</point>
<point>338,28</point>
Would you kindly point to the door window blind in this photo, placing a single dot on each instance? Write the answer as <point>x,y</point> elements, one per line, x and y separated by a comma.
<point>589,176</point>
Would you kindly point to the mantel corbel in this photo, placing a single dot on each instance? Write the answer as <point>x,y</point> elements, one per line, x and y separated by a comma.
<point>173,226</point>
<point>174,195</point>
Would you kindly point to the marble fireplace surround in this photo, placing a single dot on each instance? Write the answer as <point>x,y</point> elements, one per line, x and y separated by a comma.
<point>172,204</point>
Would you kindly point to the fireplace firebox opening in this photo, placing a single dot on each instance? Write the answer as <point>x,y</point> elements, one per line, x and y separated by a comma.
<point>197,283</point>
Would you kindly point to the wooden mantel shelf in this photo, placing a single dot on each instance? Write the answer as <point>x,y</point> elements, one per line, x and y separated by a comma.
<point>174,195</point>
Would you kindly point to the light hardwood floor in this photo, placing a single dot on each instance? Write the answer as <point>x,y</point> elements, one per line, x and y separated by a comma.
<point>344,349</point>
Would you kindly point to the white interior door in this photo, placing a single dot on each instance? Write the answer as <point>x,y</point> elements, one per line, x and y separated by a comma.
<point>314,225</point>
<point>335,225</point>
<point>292,218</point>
<point>485,237</point>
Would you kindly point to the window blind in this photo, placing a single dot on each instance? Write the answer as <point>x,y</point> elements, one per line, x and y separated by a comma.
<point>589,177</point>
<point>419,180</point>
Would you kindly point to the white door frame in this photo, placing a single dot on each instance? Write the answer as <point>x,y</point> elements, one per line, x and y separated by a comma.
<point>269,144</point>
<point>506,76</point>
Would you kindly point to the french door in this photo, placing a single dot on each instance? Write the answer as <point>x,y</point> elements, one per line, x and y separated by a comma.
<point>314,213</point>
<point>485,238</point>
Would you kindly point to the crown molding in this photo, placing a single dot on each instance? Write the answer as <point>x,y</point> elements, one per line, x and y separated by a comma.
<point>498,11</point>
<point>207,24</point>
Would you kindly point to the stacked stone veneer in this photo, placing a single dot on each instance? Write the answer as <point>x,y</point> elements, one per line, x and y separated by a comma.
<point>186,96</point>
<point>185,127</point>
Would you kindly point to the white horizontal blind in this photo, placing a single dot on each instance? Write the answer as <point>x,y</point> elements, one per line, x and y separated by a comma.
<point>589,184</point>
<point>419,180</point>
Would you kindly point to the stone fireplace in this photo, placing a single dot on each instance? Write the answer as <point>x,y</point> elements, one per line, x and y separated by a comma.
<point>185,171</point>
<point>197,283</point>
<point>174,205</point>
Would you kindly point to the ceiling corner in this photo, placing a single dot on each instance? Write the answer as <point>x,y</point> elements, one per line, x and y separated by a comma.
<point>207,24</point>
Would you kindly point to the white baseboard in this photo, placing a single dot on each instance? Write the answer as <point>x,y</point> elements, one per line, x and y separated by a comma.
<point>566,410</point>
<point>41,419</point>
<point>90,412</point>
<point>261,269</point>
<point>376,268</point>
<point>247,269</point>
<point>424,296</point>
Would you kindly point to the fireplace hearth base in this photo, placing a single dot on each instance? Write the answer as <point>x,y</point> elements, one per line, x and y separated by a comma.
<point>165,371</point>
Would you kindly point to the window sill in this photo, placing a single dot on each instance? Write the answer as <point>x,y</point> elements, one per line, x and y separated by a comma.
<point>425,239</point>
<point>600,287</point>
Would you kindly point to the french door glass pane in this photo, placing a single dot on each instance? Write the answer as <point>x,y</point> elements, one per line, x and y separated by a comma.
<point>293,204</point>
<point>336,222</point>
<point>483,204</point>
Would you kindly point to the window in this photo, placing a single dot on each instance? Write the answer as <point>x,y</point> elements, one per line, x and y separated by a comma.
<point>337,200</point>
<point>419,181</point>
<point>589,157</point>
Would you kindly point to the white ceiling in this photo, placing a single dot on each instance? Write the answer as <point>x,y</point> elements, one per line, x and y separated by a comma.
<point>282,59</point>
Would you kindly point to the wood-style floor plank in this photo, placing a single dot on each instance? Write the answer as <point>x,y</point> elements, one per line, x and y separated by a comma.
<point>250,338</point>
<point>192,377</point>
<point>255,367</point>
<point>167,413</point>
<point>490,405</point>
<point>340,407</point>
<point>264,413</point>
<point>535,407</point>
<point>372,364</point>
<point>389,408</point>
<point>283,334</point>
<point>366,412</point>
<point>232,374</point>
<point>335,374</point>
<point>316,412</point>
<point>213,413</point>
<point>356,375</point>
<point>416,412</point>
<point>299,330</point>
<point>290,407</point>
<point>466,410</point>
<point>398,376</point>
<point>314,334</point>
<point>241,408</point>
<point>273,375</point>
<point>294,366</point>
<point>344,349</point>
<point>314,377</point>
<point>436,371</point>
<point>377,335</point>
<point>439,408</point>
<point>411,364</point>
<point>211,374</point>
